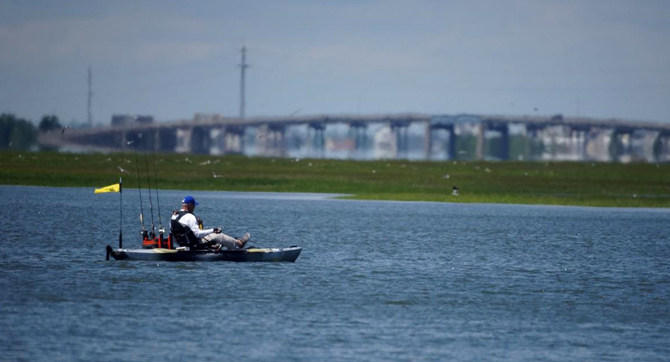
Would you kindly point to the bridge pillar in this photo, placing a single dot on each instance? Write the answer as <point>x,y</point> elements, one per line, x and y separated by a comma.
<point>233,139</point>
<point>452,143</point>
<point>262,139</point>
<point>148,137</point>
<point>584,146</point>
<point>661,147</point>
<point>166,140</point>
<point>201,140</point>
<point>427,140</point>
<point>450,147</point>
<point>504,142</point>
<point>360,136</point>
<point>316,140</point>
<point>576,143</point>
<point>275,144</point>
<point>503,151</point>
<point>534,143</point>
<point>481,141</point>
<point>358,131</point>
<point>399,130</point>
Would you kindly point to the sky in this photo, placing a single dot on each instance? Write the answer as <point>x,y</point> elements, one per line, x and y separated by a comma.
<point>172,59</point>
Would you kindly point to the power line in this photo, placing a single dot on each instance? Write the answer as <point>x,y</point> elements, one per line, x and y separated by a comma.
<point>90,96</point>
<point>243,66</point>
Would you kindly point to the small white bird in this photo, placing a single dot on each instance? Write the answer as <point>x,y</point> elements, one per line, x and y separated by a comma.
<point>216,175</point>
<point>122,170</point>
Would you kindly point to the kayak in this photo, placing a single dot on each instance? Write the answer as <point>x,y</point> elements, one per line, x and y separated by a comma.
<point>251,254</point>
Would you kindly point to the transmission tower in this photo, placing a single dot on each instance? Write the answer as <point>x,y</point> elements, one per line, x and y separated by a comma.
<point>90,96</point>
<point>243,66</point>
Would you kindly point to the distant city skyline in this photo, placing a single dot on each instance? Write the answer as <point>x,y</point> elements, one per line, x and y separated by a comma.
<point>600,59</point>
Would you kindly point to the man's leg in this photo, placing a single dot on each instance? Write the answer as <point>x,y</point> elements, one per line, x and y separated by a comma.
<point>223,239</point>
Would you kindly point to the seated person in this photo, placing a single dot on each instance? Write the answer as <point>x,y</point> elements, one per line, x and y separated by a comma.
<point>186,230</point>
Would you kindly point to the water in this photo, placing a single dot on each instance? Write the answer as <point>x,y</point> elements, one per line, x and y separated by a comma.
<point>377,281</point>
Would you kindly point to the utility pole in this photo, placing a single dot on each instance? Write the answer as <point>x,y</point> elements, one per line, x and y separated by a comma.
<point>90,96</point>
<point>243,66</point>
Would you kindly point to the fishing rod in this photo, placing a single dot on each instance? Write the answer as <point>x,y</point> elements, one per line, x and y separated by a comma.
<point>151,204</point>
<point>139,183</point>
<point>158,202</point>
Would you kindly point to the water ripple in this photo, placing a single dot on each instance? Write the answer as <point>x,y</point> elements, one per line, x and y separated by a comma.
<point>376,282</point>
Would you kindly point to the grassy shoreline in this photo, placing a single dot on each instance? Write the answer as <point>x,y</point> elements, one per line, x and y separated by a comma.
<point>550,183</point>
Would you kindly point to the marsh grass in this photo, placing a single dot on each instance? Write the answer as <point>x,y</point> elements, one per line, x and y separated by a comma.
<point>556,183</point>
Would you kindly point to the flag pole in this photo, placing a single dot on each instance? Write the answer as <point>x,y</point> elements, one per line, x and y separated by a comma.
<point>120,212</point>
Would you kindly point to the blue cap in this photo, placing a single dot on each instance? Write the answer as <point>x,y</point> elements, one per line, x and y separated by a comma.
<point>189,200</point>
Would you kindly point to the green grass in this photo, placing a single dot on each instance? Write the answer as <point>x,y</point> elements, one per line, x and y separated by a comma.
<point>556,183</point>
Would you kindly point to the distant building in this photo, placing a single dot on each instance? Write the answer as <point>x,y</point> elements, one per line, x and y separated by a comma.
<point>144,119</point>
<point>121,120</point>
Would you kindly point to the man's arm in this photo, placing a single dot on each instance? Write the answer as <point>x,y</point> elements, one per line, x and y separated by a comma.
<point>190,222</point>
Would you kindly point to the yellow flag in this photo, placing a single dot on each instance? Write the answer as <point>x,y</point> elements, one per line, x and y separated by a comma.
<point>110,188</point>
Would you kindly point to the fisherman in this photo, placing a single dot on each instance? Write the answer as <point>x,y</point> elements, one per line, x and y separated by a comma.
<point>187,230</point>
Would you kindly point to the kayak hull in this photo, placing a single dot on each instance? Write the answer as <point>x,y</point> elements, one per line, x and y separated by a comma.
<point>289,254</point>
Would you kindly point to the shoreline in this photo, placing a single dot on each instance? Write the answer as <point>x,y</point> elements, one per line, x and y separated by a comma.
<point>314,196</point>
<point>481,182</point>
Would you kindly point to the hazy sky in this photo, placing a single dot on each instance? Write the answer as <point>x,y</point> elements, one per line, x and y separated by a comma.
<point>171,59</point>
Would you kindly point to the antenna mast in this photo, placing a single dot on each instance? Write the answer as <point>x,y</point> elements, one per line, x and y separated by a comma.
<point>90,96</point>
<point>243,66</point>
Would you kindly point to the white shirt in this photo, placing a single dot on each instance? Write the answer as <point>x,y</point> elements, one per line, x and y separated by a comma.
<point>190,222</point>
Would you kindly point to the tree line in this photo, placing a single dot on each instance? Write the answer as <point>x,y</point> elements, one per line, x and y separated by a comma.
<point>21,134</point>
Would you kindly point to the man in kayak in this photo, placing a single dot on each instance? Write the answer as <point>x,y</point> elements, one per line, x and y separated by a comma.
<point>187,231</point>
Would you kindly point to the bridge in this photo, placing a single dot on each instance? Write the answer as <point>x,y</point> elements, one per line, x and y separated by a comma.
<point>441,136</point>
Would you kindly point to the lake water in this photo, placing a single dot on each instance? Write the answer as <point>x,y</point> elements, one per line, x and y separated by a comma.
<point>376,281</point>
